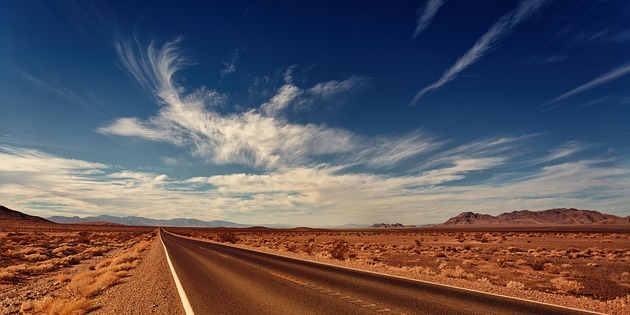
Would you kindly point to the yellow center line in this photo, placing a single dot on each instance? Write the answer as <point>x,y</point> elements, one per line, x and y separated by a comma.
<point>224,256</point>
<point>287,278</point>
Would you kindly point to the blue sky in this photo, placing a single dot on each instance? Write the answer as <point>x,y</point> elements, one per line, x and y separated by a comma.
<point>318,113</point>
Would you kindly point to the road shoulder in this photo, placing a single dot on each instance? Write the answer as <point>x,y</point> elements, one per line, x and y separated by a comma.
<point>150,289</point>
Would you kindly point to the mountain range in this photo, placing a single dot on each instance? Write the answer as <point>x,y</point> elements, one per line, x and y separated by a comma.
<point>558,216</point>
<point>140,221</point>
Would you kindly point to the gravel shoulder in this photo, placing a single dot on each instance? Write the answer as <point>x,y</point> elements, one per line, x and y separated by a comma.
<point>150,289</point>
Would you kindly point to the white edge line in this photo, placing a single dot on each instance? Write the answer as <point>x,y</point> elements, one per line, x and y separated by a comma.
<point>182,295</point>
<point>394,276</point>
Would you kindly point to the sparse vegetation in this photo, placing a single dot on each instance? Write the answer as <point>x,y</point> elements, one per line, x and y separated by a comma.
<point>228,237</point>
<point>340,250</point>
<point>56,252</point>
<point>547,262</point>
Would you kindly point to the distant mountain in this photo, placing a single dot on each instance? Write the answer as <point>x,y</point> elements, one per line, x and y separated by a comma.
<point>8,215</point>
<point>387,225</point>
<point>352,226</point>
<point>140,221</point>
<point>559,216</point>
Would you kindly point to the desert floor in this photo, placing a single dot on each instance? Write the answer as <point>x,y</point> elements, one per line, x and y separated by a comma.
<point>78,269</point>
<point>584,268</point>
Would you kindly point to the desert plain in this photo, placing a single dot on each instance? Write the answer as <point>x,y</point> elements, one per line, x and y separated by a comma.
<point>48,268</point>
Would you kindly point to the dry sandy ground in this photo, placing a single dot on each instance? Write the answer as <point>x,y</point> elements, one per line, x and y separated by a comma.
<point>149,289</point>
<point>588,270</point>
<point>79,269</point>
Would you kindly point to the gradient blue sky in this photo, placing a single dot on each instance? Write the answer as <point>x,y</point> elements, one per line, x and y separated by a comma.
<point>314,113</point>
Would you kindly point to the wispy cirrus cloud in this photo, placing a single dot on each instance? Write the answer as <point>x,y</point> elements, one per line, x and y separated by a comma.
<point>499,29</point>
<point>259,137</point>
<point>602,79</point>
<point>55,87</point>
<point>229,66</point>
<point>426,15</point>
<point>565,150</point>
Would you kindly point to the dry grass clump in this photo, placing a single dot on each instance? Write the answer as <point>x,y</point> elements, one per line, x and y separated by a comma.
<point>341,250</point>
<point>36,257</point>
<point>6,275</point>
<point>62,278</point>
<point>107,273</point>
<point>228,237</point>
<point>515,285</point>
<point>93,282</point>
<point>75,300</point>
<point>566,286</point>
<point>458,272</point>
<point>52,306</point>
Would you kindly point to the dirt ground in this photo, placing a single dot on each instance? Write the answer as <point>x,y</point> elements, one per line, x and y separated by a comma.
<point>574,267</point>
<point>52,268</point>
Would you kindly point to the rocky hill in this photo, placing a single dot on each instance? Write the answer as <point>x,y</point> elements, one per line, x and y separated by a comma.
<point>559,216</point>
<point>8,215</point>
<point>387,225</point>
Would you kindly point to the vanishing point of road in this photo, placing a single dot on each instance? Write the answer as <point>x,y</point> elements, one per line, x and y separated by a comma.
<point>219,279</point>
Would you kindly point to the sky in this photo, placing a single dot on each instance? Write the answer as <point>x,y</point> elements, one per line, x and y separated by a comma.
<point>314,113</point>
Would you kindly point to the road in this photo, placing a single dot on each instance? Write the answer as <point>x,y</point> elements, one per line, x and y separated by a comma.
<point>220,279</point>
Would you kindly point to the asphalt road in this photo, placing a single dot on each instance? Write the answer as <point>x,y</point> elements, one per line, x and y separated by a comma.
<point>221,279</point>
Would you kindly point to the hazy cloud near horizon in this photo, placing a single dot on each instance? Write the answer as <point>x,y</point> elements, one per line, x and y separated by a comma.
<point>297,115</point>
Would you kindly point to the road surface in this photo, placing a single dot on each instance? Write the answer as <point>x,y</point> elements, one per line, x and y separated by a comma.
<point>219,279</point>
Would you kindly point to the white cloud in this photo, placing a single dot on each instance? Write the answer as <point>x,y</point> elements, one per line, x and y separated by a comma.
<point>229,66</point>
<point>54,86</point>
<point>485,43</point>
<point>428,12</point>
<point>286,94</point>
<point>568,149</point>
<point>329,89</point>
<point>32,181</point>
<point>259,137</point>
<point>602,79</point>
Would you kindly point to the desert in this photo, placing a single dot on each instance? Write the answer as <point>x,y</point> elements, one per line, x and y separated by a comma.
<point>82,268</point>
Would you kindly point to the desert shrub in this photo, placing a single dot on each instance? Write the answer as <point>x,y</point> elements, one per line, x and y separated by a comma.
<point>57,306</point>
<point>292,247</point>
<point>538,264</point>
<point>83,237</point>
<point>309,248</point>
<point>503,262</point>
<point>228,237</point>
<point>340,250</point>
<point>62,278</point>
<point>515,285</point>
<point>97,251</point>
<point>36,257</point>
<point>6,275</point>
<point>484,280</point>
<point>91,283</point>
<point>566,286</point>
<point>458,272</point>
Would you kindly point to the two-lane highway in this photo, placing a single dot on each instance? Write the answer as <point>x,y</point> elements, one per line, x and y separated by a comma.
<point>220,279</point>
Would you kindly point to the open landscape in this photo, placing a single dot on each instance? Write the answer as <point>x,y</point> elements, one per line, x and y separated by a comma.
<point>234,157</point>
<point>64,268</point>
<point>60,269</point>
<point>577,267</point>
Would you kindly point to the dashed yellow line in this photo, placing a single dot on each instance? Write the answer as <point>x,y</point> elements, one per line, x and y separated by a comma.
<point>287,278</point>
<point>224,256</point>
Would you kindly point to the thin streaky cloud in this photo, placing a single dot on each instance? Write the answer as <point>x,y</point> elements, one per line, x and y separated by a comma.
<point>485,43</point>
<point>56,88</point>
<point>609,76</point>
<point>425,16</point>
